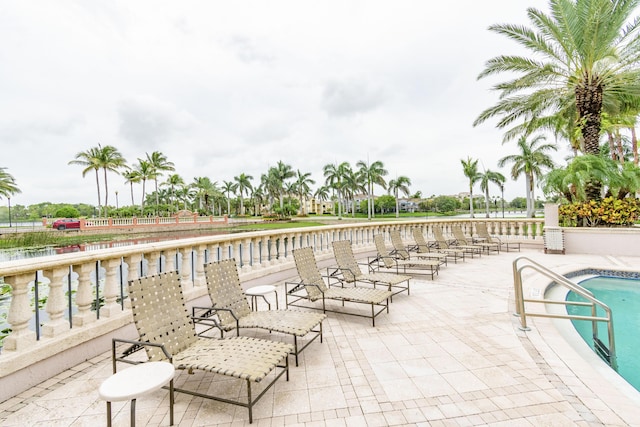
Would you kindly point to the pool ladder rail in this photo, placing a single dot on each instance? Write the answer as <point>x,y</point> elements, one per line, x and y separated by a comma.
<point>607,353</point>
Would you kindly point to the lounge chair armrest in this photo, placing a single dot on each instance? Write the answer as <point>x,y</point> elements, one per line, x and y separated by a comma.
<point>135,346</point>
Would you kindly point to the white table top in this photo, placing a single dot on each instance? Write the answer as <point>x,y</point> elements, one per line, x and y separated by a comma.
<point>136,381</point>
<point>260,290</point>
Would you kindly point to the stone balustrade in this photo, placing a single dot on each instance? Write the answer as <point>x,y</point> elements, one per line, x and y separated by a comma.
<point>83,295</point>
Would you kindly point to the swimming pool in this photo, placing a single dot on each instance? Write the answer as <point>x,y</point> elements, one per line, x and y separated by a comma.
<point>622,295</point>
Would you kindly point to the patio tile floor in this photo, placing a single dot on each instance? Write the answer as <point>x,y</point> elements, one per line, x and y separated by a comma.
<point>450,354</point>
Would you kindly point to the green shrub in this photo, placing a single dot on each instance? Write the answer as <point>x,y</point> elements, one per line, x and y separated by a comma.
<point>610,212</point>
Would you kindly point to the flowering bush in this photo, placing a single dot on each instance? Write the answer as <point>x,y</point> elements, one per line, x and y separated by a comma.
<point>609,212</point>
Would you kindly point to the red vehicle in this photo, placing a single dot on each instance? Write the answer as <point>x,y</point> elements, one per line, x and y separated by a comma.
<point>66,224</point>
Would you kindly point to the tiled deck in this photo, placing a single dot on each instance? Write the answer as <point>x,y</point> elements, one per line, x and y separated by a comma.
<point>450,354</point>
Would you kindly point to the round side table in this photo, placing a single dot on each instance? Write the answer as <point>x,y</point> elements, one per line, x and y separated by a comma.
<point>261,291</point>
<point>136,381</point>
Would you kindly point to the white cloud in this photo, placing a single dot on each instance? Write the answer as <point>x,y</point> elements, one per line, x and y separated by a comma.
<point>224,88</point>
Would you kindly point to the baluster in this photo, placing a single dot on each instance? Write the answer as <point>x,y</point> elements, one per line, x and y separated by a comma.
<point>200,280</point>
<point>246,254</point>
<point>56,303</point>
<point>152,263</point>
<point>185,269</point>
<point>111,288</point>
<point>20,313</point>
<point>170,260</point>
<point>84,296</point>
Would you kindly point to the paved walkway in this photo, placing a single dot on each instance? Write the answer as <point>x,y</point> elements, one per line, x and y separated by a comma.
<point>450,354</point>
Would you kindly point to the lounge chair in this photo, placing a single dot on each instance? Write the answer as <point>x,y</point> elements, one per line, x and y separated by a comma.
<point>403,252</point>
<point>455,244</point>
<point>462,240</point>
<point>424,247</point>
<point>349,271</point>
<point>483,233</point>
<point>231,309</point>
<point>443,245</point>
<point>167,332</point>
<point>384,259</point>
<point>312,288</point>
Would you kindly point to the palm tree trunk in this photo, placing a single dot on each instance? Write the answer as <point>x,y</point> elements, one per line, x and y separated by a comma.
<point>528,194</point>
<point>634,145</point>
<point>106,194</point>
<point>471,200</point>
<point>98,186</point>
<point>486,202</point>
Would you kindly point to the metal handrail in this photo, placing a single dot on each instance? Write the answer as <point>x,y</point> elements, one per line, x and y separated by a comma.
<point>593,302</point>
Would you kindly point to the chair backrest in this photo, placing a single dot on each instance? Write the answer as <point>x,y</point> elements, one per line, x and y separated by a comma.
<point>383,252</point>
<point>160,314</point>
<point>308,271</point>
<point>347,263</point>
<point>459,235</point>
<point>225,291</point>
<point>481,229</point>
<point>398,246</point>
<point>420,240</point>
<point>439,237</point>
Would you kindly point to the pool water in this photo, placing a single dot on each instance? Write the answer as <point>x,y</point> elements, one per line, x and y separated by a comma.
<point>623,298</point>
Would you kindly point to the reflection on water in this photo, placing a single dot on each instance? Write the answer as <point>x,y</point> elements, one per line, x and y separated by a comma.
<point>17,253</point>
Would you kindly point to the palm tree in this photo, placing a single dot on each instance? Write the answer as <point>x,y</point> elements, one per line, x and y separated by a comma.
<point>585,61</point>
<point>90,159</point>
<point>159,164</point>
<point>334,177</point>
<point>110,160</point>
<point>243,185</point>
<point>8,185</point>
<point>303,180</point>
<point>145,171</point>
<point>353,183</point>
<point>487,177</point>
<point>205,191</point>
<point>470,170</point>
<point>401,183</point>
<point>228,187</point>
<point>173,181</point>
<point>321,194</point>
<point>373,174</point>
<point>530,161</point>
<point>131,176</point>
<point>281,173</point>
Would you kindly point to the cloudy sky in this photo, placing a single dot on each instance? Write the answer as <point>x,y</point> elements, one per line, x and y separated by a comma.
<point>229,87</point>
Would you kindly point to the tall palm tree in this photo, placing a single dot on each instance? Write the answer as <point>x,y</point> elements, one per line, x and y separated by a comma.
<point>303,180</point>
<point>243,185</point>
<point>173,181</point>
<point>353,183</point>
<point>529,162</point>
<point>159,164</point>
<point>401,183</point>
<point>334,176</point>
<point>205,191</point>
<point>487,177</point>
<point>281,173</point>
<point>145,171</point>
<point>321,194</point>
<point>470,170</point>
<point>373,173</point>
<point>131,176</point>
<point>585,61</point>
<point>90,160</point>
<point>110,160</point>
<point>7,184</point>
<point>228,187</point>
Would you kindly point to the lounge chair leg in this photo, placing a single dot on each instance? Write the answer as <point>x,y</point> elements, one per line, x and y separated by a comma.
<point>249,402</point>
<point>295,348</point>
<point>171,402</point>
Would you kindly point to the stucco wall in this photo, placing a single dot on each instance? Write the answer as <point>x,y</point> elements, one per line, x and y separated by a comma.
<point>602,241</point>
